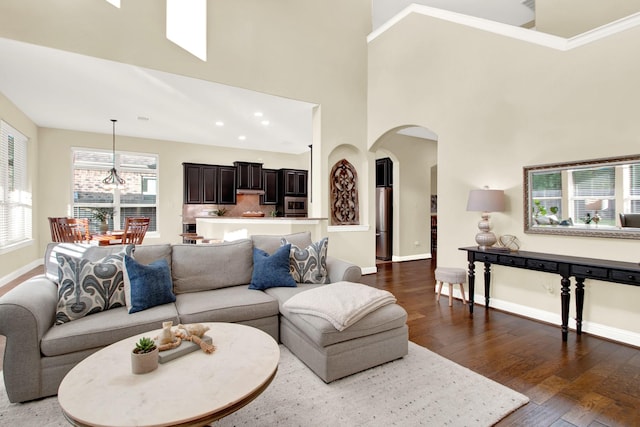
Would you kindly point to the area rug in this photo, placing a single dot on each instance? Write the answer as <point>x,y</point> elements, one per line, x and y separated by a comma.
<point>422,388</point>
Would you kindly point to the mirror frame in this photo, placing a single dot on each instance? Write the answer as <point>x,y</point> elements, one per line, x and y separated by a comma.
<point>529,228</point>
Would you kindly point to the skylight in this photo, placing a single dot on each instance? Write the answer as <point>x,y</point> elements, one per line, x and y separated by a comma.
<point>187,25</point>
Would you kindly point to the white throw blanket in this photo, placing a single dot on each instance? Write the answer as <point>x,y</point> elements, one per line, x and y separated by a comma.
<point>341,303</point>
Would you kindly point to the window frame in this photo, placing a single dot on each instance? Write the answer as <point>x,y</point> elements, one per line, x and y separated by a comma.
<point>117,206</point>
<point>21,183</point>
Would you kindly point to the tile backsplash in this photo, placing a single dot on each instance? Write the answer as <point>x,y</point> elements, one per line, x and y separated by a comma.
<point>244,203</point>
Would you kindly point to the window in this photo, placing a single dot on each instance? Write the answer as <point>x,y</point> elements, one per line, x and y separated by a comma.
<point>593,192</point>
<point>547,193</point>
<point>15,196</point>
<point>631,178</point>
<point>137,197</point>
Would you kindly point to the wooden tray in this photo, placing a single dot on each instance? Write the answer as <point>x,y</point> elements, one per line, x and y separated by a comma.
<point>253,215</point>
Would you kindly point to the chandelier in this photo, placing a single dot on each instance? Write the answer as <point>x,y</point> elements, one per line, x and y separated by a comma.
<point>113,179</point>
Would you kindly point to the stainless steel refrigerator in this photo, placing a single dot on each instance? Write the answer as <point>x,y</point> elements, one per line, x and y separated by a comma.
<point>384,221</point>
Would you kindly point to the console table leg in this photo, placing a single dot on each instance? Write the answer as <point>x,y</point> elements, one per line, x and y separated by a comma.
<point>487,283</point>
<point>472,284</point>
<point>565,297</point>
<point>579,303</point>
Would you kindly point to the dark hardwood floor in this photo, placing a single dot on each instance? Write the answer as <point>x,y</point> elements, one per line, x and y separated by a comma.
<point>586,381</point>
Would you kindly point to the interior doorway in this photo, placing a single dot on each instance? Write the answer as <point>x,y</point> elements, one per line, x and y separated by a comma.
<point>384,209</point>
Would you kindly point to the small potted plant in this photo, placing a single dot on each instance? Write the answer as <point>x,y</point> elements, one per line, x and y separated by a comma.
<point>144,357</point>
<point>102,215</point>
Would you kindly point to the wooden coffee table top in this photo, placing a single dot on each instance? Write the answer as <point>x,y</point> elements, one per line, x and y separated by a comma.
<point>192,390</point>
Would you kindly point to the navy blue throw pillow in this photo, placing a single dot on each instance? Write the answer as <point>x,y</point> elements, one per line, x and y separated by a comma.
<point>150,285</point>
<point>271,271</point>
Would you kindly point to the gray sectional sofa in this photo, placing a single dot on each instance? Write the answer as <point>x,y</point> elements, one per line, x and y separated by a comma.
<point>210,283</point>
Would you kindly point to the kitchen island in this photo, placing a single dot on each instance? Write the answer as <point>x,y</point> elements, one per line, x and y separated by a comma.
<point>214,228</point>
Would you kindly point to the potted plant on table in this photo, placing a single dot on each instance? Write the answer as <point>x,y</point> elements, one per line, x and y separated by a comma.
<point>102,215</point>
<point>144,357</point>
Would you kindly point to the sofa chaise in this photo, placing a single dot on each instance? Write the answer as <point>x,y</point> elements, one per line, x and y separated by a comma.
<point>209,282</point>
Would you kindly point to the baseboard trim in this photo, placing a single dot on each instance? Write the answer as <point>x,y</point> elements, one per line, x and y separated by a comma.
<point>596,329</point>
<point>15,274</point>
<point>415,257</point>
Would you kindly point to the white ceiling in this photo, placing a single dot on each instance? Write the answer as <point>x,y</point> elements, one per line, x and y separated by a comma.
<point>64,90</point>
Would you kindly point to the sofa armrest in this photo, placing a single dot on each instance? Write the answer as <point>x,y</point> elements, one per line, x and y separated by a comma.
<point>343,271</point>
<point>26,314</point>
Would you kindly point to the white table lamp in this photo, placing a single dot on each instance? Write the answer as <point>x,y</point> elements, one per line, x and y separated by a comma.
<point>485,201</point>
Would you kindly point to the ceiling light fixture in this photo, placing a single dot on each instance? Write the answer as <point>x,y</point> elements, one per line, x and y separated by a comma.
<point>258,114</point>
<point>113,179</point>
<point>242,137</point>
<point>219,123</point>
<point>265,122</point>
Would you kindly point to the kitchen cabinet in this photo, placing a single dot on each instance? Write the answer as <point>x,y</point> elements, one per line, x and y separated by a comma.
<point>384,172</point>
<point>270,187</point>
<point>248,175</point>
<point>227,185</point>
<point>294,182</point>
<point>209,184</point>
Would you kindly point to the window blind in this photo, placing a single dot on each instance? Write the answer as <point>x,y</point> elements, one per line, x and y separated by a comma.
<point>15,195</point>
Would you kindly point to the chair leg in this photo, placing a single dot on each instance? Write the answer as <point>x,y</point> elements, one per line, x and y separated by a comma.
<point>464,300</point>
<point>439,284</point>
<point>450,294</point>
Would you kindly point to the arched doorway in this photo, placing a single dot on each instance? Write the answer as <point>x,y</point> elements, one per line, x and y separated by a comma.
<point>411,176</point>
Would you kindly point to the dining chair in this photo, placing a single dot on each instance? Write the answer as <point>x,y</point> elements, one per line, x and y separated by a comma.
<point>69,230</point>
<point>134,231</point>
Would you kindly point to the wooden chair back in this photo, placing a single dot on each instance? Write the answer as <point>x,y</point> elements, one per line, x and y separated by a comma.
<point>135,230</point>
<point>69,230</point>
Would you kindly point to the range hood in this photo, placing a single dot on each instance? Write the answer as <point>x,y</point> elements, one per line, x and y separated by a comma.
<point>247,191</point>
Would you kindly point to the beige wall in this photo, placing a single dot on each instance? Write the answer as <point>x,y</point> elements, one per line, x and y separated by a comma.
<point>567,18</point>
<point>55,173</point>
<point>498,104</point>
<point>18,261</point>
<point>306,50</point>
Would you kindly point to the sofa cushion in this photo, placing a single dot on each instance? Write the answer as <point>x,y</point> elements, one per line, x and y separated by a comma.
<point>271,243</point>
<point>205,267</point>
<point>309,264</point>
<point>233,304</point>
<point>147,285</point>
<point>271,271</point>
<point>146,254</point>
<point>321,332</point>
<point>86,287</point>
<point>104,328</point>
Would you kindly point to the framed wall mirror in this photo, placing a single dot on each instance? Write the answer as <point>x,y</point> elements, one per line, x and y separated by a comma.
<point>597,198</point>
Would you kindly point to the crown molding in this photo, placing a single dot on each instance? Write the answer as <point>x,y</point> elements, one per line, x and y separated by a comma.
<point>511,31</point>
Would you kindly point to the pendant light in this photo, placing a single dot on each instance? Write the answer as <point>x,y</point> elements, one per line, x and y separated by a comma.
<point>113,179</point>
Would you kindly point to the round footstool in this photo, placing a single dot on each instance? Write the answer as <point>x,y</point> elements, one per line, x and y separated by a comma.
<point>451,276</point>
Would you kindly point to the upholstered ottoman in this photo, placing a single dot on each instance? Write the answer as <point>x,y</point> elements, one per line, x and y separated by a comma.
<point>371,335</point>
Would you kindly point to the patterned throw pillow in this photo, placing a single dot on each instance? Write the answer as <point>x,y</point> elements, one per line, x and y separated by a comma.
<point>86,287</point>
<point>309,265</point>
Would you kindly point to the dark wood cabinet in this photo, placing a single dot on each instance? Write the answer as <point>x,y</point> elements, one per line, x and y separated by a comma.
<point>384,172</point>
<point>209,184</point>
<point>294,182</point>
<point>227,185</point>
<point>270,187</point>
<point>248,175</point>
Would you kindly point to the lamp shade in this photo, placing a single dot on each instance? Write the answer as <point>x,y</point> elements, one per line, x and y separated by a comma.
<point>486,200</point>
<point>596,205</point>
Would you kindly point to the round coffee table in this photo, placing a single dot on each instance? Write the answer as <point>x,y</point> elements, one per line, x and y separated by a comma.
<point>192,390</point>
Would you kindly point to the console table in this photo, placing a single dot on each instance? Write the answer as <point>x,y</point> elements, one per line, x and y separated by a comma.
<point>627,273</point>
